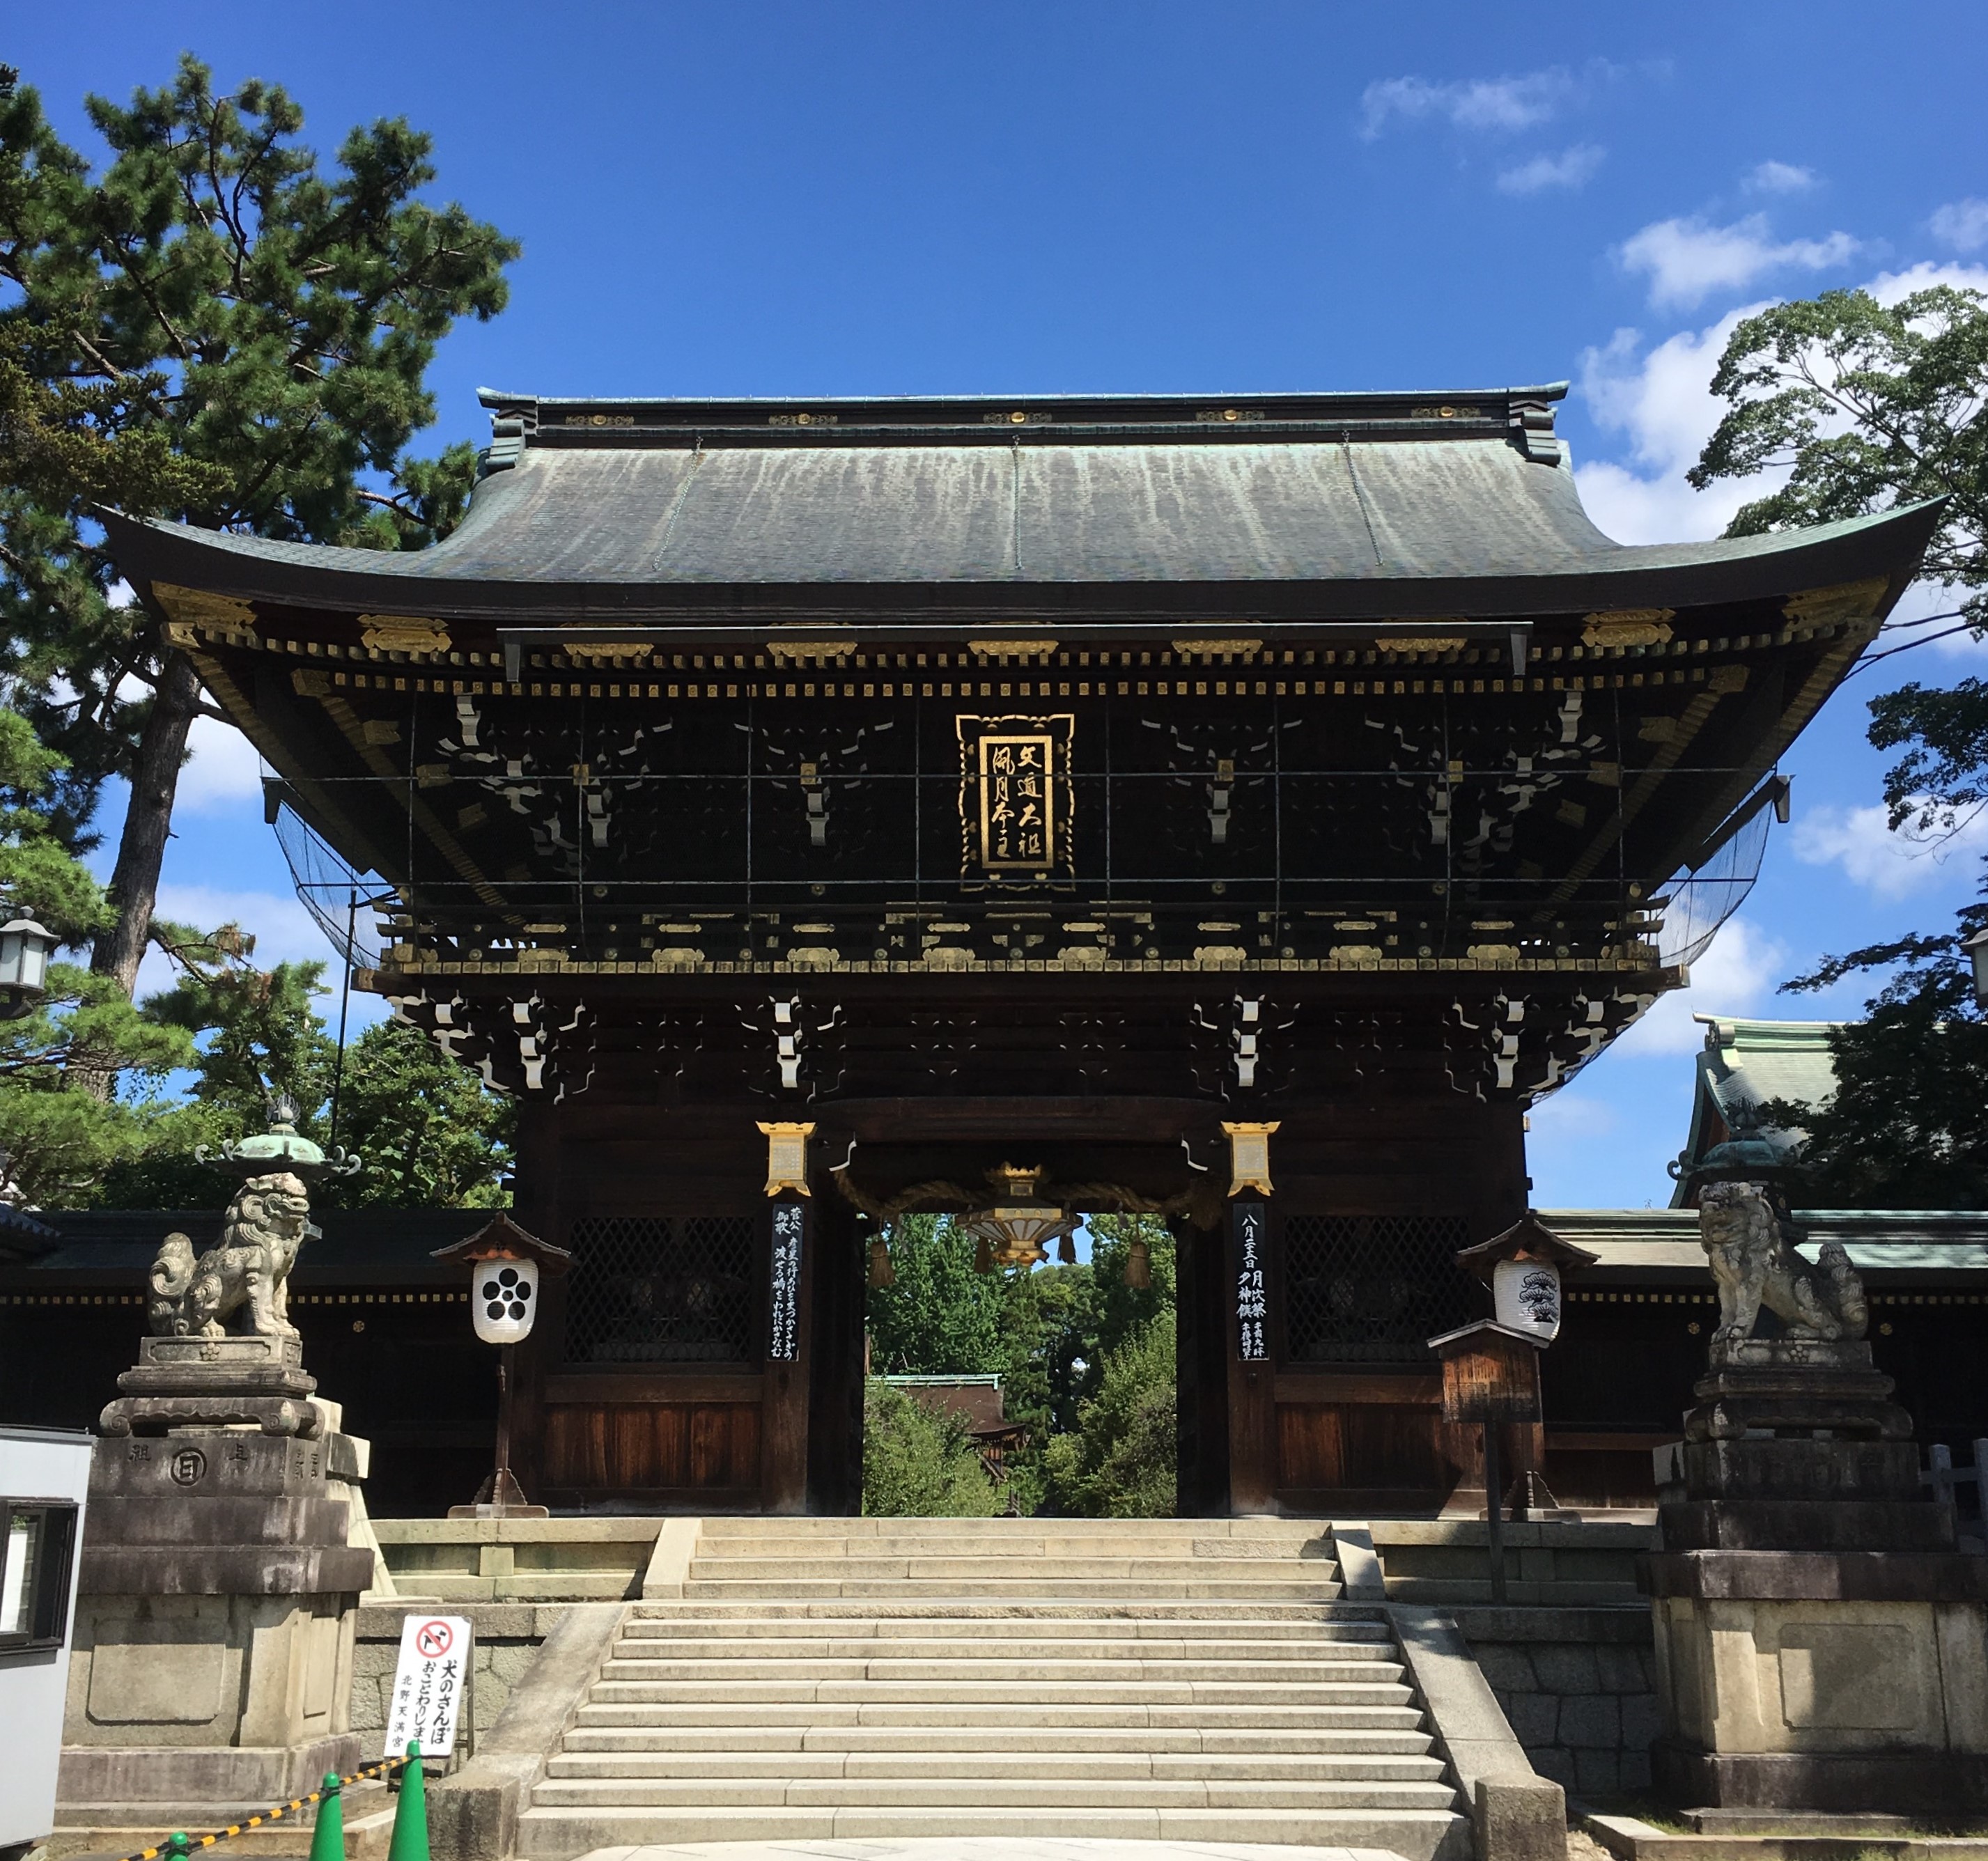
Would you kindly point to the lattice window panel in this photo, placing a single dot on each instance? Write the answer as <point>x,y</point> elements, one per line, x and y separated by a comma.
<point>653,1289</point>
<point>1373,1288</point>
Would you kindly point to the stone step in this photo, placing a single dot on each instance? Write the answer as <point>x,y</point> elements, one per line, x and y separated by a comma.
<point>1415,1835</point>
<point>791,1738</point>
<point>739,1589</point>
<point>969,1671</point>
<point>936,1693</point>
<point>1113,1631</point>
<point>970,1766</point>
<point>995,1720</point>
<point>749,1525</point>
<point>1311,1548</point>
<point>991,1789</point>
<point>1085,1646</point>
<point>892,1604</point>
<point>1099,1573</point>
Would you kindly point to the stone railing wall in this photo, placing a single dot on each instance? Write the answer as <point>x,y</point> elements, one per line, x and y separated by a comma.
<point>1579,1687</point>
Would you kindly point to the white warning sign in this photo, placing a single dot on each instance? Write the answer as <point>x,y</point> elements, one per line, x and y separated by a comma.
<point>430,1685</point>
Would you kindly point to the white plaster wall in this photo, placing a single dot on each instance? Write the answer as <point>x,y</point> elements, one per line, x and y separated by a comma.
<point>37,1464</point>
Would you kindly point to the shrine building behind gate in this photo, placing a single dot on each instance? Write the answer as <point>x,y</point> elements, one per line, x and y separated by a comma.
<point>1232,809</point>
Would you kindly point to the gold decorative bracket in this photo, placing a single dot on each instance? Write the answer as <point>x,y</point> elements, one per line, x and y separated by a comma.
<point>786,1156</point>
<point>1249,1157</point>
<point>402,633</point>
<point>1628,626</point>
<point>199,607</point>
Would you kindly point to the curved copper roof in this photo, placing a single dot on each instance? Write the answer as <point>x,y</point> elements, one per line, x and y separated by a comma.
<point>1348,504</point>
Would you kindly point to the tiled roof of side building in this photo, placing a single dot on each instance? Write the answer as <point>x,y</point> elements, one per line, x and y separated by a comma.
<point>1745,1064</point>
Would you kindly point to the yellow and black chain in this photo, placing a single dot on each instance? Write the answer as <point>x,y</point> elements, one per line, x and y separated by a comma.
<point>176,1843</point>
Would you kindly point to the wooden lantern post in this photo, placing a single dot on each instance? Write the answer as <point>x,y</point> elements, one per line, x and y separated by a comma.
<point>1522,1269</point>
<point>1490,1375</point>
<point>505,1263</point>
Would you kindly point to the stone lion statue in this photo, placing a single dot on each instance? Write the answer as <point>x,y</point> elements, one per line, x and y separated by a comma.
<point>1753,1265</point>
<point>267,1223</point>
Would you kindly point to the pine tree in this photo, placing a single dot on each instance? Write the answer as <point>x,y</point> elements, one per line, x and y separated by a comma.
<point>209,327</point>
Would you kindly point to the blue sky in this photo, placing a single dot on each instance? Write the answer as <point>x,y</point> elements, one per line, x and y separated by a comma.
<point>763,198</point>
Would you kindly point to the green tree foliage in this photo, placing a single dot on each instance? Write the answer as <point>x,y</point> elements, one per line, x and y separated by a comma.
<point>429,1134</point>
<point>57,1141</point>
<point>941,1319</point>
<point>1908,1126</point>
<point>1119,1461</point>
<point>1865,406</point>
<point>1868,405</point>
<point>1050,1334</point>
<point>209,326</point>
<point>920,1462</point>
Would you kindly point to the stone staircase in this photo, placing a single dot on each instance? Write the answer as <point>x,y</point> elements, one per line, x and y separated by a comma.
<point>1185,1679</point>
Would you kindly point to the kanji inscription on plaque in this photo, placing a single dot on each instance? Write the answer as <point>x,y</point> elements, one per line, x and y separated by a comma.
<point>1015,803</point>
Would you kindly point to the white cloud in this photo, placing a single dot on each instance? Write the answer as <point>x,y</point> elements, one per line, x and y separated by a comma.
<point>1470,103</point>
<point>1780,177</point>
<point>1737,976</point>
<point>1962,225</point>
<point>225,772</point>
<point>1660,402</point>
<point>1686,260</point>
<point>1887,865</point>
<point>1571,168</point>
<point>1888,287</point>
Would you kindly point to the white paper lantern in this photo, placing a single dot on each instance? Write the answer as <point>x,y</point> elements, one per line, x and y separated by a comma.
<point>503,1299</point>
<point>1526,1295</point>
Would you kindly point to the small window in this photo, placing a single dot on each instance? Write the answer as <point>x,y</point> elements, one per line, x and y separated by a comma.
<point>34,1572</point>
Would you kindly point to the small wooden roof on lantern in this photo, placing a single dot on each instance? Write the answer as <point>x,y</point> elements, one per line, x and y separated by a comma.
<point>503,1239</point>
<point>1527,1239</point>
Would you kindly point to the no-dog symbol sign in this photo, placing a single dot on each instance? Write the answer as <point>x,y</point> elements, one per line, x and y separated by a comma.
<point>430,1684</point>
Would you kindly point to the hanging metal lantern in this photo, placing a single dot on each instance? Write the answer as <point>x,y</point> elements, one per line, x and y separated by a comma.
<point>26,947</point>
<point>1018,1230</point>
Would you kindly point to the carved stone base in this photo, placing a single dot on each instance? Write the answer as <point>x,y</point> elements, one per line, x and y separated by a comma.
<point>1794,1387</point>
<point>192,1784</point>
<point>217,1597</point>
<point>1916,1786</point>
<point>1871,1695</point>
<point>215,1383</point>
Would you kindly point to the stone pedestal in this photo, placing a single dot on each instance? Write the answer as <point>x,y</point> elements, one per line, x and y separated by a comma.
<point>212,1657</point>
<point>1821,1643</point>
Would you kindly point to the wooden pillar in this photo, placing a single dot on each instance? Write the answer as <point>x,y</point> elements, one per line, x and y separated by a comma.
<point>835,1357</point>
<point>1202,1322</point>
<point>1253,1408</point>
<point>784,1388</point>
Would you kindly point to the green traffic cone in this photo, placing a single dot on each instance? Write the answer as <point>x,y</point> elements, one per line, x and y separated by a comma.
<point>410,1817</point>
<point>328,1836</point>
